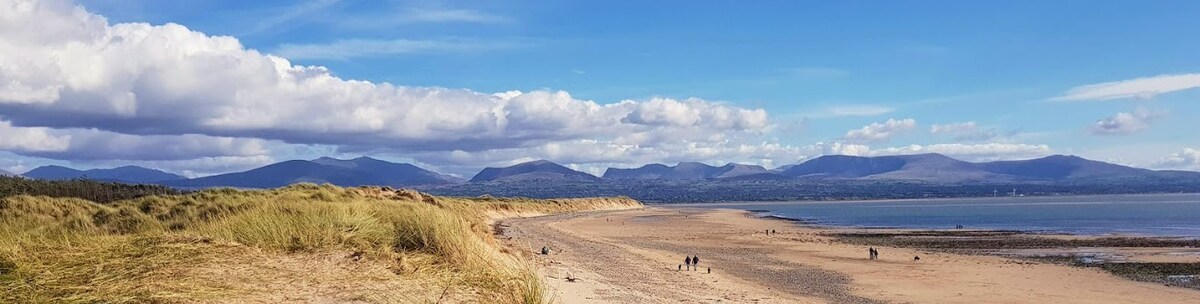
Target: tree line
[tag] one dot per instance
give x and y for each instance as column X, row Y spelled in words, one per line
column 96, row 191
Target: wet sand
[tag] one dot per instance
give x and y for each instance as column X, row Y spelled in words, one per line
column 632, row 257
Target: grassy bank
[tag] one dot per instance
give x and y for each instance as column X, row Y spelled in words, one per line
column 300, row 243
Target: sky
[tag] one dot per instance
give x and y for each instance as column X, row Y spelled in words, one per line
column 206, row 87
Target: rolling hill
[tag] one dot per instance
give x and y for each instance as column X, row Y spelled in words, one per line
column 128, row 174
column 355, row 172
column 541, row 170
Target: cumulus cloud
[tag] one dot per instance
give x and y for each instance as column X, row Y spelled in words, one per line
column 1139, row 88
column 1188, row 159
column 143, row 79
column 36, row 140
column 1125, row 122
column 73, row 86
column 881, row 131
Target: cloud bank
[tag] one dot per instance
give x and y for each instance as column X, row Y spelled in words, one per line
column 75, row 87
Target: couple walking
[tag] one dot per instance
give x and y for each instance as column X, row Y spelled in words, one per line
column 873, row 253
column 693, row 263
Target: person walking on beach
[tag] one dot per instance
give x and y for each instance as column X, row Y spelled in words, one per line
column 688, row 261
column 696, row 263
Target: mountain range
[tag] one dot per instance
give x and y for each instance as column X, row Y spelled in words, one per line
column 354, row 172
column 935, row 168
column 127, row 174
column 685, row 171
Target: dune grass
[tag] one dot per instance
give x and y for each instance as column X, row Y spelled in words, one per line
column 302, row 242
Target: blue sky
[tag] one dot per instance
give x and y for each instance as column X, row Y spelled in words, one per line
column 990, row 74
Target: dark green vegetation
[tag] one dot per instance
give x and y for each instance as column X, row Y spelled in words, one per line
column 995, row 242
column 1173, row 274
column 96, row 191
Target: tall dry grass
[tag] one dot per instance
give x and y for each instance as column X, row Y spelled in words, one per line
column 161, row 248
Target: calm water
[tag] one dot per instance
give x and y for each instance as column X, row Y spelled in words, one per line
column 1155, row 215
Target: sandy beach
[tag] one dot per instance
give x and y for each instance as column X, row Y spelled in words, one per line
column 633, row 257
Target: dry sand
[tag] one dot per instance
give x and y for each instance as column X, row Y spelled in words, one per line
column 631, row 257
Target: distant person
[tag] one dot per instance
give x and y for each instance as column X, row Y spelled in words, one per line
column 871, row 253
column 688, row 261
column 696, row 262
column 709, row 269
column 772, row 231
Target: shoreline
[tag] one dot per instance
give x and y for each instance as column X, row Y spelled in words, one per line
column 915, row 199
column 778, row 210
column 639, row 250
column 817, row 225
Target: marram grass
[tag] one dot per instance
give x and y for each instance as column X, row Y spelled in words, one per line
column 299, row 243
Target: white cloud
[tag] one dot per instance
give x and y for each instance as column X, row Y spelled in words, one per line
column 1188, row 159
column 166, row 88
column 881, row 131
column 964, row 131
column 971, row 152
column 1139, row 88
column 354, row 48
column 91, row 144
column 1125, row 122
column 954, row 128
column 31, row 139
column 853, row 110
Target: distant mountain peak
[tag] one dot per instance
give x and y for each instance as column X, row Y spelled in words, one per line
column 533, row 170
column 685, row 171
column 129, row 174
column 360, row 171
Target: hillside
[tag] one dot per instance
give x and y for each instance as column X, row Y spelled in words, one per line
column 129, row 174
column 302, row 243
column 363, row 171
column 541, row 170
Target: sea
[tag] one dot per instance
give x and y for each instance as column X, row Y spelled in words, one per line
column 1166, row 215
